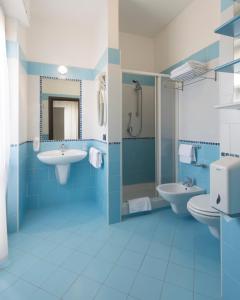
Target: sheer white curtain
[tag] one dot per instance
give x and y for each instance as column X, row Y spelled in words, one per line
column 4, row 138
column 71, row 120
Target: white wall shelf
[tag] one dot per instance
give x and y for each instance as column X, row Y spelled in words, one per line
column 233, row 105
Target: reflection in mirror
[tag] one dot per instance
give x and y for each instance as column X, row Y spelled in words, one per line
column 60, row 109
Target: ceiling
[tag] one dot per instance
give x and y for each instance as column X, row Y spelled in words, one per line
column 143, row 17
column 148, row 17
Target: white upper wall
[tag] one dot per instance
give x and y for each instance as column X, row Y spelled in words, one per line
column 137, row 52
column 17, row 9
column 51, row 41
column 189, row 32
column 74, row 33
column 113, row 23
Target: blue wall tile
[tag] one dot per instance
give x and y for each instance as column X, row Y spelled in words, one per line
column 226, row 4
column 12, row 191
column 110, row 56
column 23, row 157
column 42, row 69
column 231, row 288
column 205, row 155
column 204, row 55
column 143, row 79
column 138, row 160
column 114, row 184
column 84, row 184
column 114, row 56
column 12, row 49
column 230, row 258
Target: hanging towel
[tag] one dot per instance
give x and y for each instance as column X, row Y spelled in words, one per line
column 139, row 205
column 187, row 153
column 95, row 157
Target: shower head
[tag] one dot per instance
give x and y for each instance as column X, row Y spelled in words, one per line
column 138, row 85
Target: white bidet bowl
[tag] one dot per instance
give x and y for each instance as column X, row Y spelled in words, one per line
column 178, row 195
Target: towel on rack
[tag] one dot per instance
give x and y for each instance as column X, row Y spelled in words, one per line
column 95, row 157
column 139, row 205
column 189, row 70
column 187, row 153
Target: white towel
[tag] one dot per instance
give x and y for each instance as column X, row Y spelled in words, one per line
column 95, row 158
column 187, row 153
column 189, row 69
column 139, row 205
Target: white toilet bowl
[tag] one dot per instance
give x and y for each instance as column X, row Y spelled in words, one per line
column 200, row 208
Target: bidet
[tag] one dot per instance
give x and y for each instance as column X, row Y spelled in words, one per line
column 178, row 195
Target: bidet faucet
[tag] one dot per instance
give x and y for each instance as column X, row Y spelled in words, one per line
column 62, row 148
column 189, row 182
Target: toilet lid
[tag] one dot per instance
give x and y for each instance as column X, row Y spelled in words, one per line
column 201, row 204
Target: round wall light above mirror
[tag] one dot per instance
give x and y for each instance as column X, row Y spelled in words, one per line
column 62, row 70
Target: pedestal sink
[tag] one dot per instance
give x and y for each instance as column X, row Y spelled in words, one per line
column 62, row 161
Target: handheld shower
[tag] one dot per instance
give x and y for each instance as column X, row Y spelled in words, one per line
column 139, row 104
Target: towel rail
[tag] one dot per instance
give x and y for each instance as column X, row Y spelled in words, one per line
column 204, row 166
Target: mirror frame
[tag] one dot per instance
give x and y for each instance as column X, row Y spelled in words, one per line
column 42, row 139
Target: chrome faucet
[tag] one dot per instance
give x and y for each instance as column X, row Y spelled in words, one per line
column 62, row 148
column 189, row 182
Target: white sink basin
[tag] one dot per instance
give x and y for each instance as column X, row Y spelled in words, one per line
column 62, row 160
column 57, row 157
column 178, row 195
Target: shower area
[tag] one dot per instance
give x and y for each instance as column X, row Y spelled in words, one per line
column 149, row 136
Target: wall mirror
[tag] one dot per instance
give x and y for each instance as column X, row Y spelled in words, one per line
column 60, row 111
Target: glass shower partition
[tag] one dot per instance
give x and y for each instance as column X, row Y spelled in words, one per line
column 167, row 117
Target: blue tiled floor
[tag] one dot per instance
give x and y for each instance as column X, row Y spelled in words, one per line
column 68, row 252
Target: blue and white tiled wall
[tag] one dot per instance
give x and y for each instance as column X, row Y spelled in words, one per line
column 206, row 153
column 230, row 258
column 84, row 184
column 138, row 154
column 114, row 183
column 230, row 227
column 12, row 192
column 23, row 179
column 33, row 185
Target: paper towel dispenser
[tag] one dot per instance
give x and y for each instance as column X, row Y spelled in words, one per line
column 225, row 185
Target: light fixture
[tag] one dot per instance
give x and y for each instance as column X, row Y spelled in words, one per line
column 62, row 70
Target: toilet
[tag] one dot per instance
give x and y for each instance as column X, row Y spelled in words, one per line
column 200, row 208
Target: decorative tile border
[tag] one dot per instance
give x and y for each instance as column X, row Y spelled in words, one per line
column 143, row 79
column 41, row 113
column 224, row 154
column 199, row 142
column 57, row 141
column 45, row 96
column 140, row 138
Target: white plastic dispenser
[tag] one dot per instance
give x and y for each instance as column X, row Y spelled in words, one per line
column 225, row 185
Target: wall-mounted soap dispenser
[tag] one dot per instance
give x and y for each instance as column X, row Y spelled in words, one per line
column 225, row 185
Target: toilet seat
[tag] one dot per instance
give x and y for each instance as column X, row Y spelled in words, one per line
column 201, row 205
